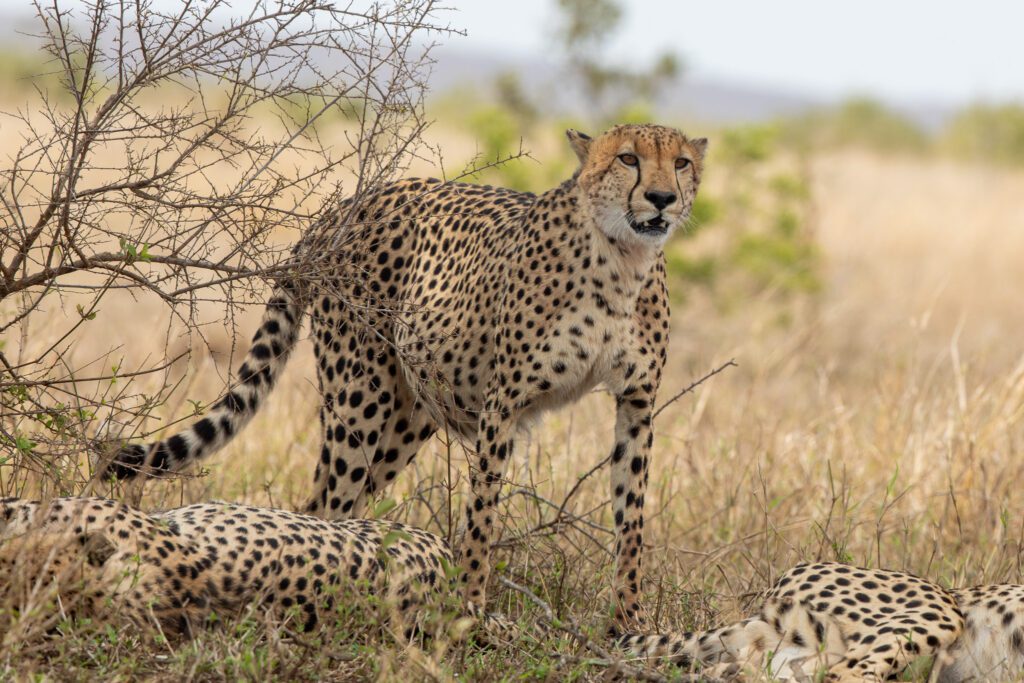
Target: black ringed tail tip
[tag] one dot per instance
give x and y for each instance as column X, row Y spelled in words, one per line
column 127, row 463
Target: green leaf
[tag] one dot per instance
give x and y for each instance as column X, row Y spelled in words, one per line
column 394, row 536
column 919, row 669
column 129, row 249
column 451, row 570
column 91, row 315
column 24, row 444
column 384, row 507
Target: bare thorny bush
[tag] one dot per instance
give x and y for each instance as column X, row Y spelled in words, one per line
column 187, row 210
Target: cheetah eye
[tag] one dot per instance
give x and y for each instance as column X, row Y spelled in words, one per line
column 629, row 159
column 681, row 163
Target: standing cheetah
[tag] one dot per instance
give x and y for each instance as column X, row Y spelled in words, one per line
column 858, row 624
column 477, row 308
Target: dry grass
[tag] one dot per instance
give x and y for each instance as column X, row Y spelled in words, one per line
column 880, row 425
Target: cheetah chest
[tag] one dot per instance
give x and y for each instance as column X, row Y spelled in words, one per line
column 583, row 352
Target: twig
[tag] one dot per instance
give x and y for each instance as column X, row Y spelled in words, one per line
column 729, row 364
column 561, row 516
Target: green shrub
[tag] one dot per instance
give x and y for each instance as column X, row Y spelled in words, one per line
column 859, row 122
column 988, row 133
column 502, row 155
column 500, row 137
column 762, row 215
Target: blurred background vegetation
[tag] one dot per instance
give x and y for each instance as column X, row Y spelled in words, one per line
column 753, row 227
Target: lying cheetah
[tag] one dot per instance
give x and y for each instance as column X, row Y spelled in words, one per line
column 477, row 308
column 180, row 566
column 858, row 624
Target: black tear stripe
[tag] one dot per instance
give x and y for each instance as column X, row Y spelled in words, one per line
column 629, row 198
column 679, row 188
column 682, row 197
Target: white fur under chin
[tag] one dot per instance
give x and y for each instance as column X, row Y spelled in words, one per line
column 614, row 223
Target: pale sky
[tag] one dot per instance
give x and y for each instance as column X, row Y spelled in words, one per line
column 939, row 51
column 905, row 51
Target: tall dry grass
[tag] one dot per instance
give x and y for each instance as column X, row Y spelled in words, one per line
column 881, row 426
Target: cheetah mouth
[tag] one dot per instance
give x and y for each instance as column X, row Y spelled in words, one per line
column 656, row 226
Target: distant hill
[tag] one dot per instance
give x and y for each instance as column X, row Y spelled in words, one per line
column 693, row 97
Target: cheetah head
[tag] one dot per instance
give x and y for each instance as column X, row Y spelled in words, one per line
column 638, row 182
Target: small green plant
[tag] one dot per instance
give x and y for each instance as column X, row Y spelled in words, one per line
column 919, row 669
column 383, row 507
column 500, row 137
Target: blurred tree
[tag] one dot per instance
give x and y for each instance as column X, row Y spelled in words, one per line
column 511, row 97
column 988, row 133
column 584, row 29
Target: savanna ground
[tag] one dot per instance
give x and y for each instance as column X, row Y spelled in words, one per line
column 875, row 421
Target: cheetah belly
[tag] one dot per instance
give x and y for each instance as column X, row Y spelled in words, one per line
column 582, row 357
column 450, row 367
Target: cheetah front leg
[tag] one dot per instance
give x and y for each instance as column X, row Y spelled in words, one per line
column 635, row 385
column 629, row 461
column 493, row 449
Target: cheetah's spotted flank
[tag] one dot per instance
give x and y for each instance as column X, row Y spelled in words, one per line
column 858, row 624
column 181, row 565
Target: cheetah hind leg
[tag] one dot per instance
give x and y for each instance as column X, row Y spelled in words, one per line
column 358, row 404
column 411, row 425
column 367, row 440
column 886, row 656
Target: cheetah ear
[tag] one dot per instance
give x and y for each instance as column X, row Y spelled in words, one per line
column 580, row 143
column 700, row 145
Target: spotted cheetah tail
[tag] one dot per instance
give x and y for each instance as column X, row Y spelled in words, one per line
column 680, row 649
column 688, row 650
column 271, row 346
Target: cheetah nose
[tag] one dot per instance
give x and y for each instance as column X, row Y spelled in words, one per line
column 659, row 199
